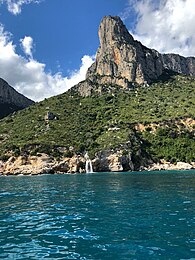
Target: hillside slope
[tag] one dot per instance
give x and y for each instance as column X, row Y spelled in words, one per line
column 109, row 121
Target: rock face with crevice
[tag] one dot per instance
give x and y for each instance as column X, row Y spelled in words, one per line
column 121, row 60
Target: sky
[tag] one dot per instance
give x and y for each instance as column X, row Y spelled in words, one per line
column 46, row 46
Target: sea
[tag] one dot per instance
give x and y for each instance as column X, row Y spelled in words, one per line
column 126, row 215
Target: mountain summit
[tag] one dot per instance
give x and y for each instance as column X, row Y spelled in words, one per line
column 122, row 60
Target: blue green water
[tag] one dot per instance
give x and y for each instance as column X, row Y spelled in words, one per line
column 98, row 216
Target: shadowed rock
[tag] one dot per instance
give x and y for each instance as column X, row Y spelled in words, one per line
column 11, row 100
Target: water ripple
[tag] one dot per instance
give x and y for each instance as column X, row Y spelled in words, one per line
column 99, row 216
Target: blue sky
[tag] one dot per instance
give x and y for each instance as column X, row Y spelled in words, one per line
column 63, row 31
column 46, row 46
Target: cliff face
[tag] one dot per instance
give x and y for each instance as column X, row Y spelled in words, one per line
column 11, row 100
column 121, row 60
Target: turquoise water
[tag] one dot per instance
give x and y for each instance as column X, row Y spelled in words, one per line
column 98, row 216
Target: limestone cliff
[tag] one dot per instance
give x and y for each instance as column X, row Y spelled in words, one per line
column 122, row 60
column 11, row 100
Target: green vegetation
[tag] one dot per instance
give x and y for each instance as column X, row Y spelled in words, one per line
column 107, row 121
column 170, row 144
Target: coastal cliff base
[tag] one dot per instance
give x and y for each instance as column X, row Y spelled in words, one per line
column 107, row 162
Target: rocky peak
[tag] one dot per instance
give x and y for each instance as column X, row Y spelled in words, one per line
column 11, row 100
column 122, row 60
column 112, row 30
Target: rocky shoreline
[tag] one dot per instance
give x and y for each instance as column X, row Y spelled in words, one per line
column 116, row 162
column 167, row 166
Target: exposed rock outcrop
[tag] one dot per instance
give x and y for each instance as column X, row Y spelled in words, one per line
column 105, row 161
column 11, row 100
column 163, row 165
column 121, row 60
column 50, row 116
column 43, row 163
column 28, row 165
column 112, row 161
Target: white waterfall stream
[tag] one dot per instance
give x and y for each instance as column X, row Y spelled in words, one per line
column 88, row 164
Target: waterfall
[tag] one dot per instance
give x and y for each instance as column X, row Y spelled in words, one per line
column 88, row 164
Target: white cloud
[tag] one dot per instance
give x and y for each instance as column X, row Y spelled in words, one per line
column 166, row 25
column 28, row 76
column 27, row 45
column 15, row 6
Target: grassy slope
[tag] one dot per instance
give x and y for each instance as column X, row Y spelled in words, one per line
column 90, row 123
